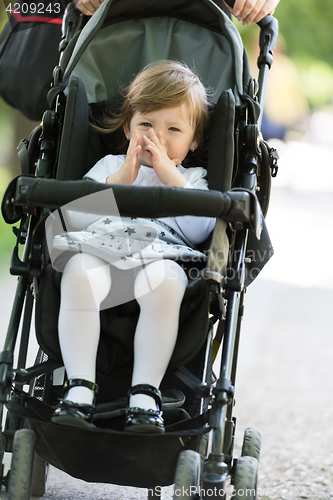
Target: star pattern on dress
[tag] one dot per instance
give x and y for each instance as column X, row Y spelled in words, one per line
column 129, row 250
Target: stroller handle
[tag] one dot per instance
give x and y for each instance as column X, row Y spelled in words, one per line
column 31, row 192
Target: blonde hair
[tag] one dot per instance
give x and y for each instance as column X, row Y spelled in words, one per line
column 163, row 84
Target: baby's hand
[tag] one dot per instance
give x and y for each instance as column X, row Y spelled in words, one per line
column 129, row 170
column 164, row 166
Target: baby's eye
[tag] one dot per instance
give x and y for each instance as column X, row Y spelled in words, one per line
column 146, row 124
column 174, row 129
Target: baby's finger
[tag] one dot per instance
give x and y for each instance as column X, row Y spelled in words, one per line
column 150, row 146
column 148, row 141
column 133, row 151
column 160, row 138
column 133, row 141
column 153, row 137
column 135, row 136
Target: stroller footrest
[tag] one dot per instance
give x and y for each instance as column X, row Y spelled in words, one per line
column 24, row 376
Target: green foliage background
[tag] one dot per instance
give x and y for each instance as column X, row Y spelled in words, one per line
column 306, row 28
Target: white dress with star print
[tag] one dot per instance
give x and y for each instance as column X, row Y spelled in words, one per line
column 130, row 242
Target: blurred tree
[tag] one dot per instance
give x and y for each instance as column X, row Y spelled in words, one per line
column 306, row 26
column 14, row 126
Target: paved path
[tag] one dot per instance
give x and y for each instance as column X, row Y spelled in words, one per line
column 284, row 381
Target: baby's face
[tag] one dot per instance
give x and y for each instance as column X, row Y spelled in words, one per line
column 175, row 127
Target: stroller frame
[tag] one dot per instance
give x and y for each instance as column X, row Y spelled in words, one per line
column 236, row 207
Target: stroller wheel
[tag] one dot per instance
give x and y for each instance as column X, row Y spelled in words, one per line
column 39, row 476
column 251, row 443
column 187, row 477
column 19, row 483
column 245, row 479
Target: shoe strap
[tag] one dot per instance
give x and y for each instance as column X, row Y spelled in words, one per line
column 80, row 382
column 148, row 390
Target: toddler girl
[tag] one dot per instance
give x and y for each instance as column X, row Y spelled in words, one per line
column 164, row 116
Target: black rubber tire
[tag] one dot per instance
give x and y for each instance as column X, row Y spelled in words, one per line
column 251, row 443
column 39, row 477
column 245, row 479
column 187, row 477
column 19, row 484
column 13, row 423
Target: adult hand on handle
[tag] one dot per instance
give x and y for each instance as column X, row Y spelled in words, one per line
column 251, row 11
column 88, row 7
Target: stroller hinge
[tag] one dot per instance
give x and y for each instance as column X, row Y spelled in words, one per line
column 35, row 263
column 23, row 376
column 47, row 142
column 215, row 470
column 274, row 156
column 224, row 391
column 17, row 267
column 252, row 157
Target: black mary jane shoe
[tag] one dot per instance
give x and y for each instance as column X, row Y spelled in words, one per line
column 75, row 414
column 141, row 421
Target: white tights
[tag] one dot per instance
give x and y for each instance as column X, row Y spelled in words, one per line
column 159, row 289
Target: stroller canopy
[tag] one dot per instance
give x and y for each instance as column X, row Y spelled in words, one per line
column 124, row 36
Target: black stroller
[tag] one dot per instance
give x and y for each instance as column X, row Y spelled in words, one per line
column 196, row 451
